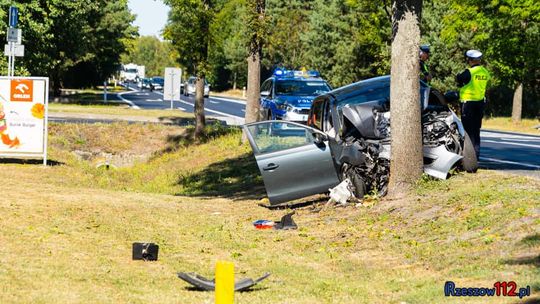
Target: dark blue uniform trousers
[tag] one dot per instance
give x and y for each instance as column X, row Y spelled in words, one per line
column 472, row 113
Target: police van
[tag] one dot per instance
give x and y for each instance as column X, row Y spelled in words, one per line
column 288, row 95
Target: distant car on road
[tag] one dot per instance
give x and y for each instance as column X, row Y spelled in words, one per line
column 189, row 87
column 144, row 84
column 288, row 95
column 157, row 83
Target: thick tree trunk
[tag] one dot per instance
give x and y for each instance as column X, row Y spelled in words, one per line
column 253, row 88
column 200, row 120
column 399, row 7
column 517, row 103
column 406, row 164
column 254, row 65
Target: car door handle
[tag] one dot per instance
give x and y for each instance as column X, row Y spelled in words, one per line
column 270, row 167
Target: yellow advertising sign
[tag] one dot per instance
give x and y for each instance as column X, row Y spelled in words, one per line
column 23, row 116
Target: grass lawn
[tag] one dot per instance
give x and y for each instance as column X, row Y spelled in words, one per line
column 115, row 109
column 67, row 229
column 506, row 124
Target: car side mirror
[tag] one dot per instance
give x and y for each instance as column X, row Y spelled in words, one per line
column 265, row 93
column 319, row 138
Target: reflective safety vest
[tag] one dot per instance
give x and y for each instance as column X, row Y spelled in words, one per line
column 475, row 90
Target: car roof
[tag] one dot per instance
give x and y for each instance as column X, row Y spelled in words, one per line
column 355, row 88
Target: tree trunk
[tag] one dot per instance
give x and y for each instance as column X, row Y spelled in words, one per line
column 254, row 64
column 234, row 82
column 517, row 104
column 200, row 120
column 253, row 88
column 406, row 164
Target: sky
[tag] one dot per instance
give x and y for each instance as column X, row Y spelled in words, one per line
column 151, row 16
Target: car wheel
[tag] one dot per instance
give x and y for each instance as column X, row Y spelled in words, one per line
column 358, row 184
column 469, row 162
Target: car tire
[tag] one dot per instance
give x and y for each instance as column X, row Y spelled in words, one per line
column 358, row 183
column 469, row 162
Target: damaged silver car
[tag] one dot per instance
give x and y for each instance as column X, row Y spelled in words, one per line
column 348, row 137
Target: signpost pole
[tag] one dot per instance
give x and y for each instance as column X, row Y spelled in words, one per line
column 172, row 90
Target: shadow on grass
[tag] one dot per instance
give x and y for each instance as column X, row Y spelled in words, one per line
column 187, row 138
column 186, row 121
column 18, row 161
column 236, row 178
column 89, row 99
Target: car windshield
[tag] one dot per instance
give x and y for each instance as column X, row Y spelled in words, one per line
column 301, row 87
column 378, row 91
column 158, row 80
column 131, row 71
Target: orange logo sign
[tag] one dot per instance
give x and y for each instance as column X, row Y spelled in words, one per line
column 22, row 90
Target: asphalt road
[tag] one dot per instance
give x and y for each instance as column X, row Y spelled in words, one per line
column 228, row 109
column 516, row 153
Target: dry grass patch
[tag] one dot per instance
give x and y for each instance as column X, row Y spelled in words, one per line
column 506, row 124
column 68, row 231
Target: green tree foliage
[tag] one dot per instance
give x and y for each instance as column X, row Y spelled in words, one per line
column 347, row 40
column 507, row 31
column 154, row 54
column 76, row 42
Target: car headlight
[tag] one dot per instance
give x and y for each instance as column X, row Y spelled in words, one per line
column 284, row 107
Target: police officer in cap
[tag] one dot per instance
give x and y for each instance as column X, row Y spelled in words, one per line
column 425, row 74
column 472, row 94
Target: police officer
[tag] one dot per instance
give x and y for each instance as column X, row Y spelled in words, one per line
column 425, row 74
column 472, row 94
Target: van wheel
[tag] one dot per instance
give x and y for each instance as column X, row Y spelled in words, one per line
column 469, row 162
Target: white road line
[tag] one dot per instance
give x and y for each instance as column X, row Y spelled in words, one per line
column 134, row 106
column 181, row 109
column 511, row 143
column 215, row 112
column 229, row 100
column 509, row 162
column 154, row 100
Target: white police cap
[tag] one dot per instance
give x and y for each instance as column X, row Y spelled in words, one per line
column 473, row 54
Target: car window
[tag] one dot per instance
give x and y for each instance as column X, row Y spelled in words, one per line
column 317, row 110
column 278, row 136
column 266, row 85
column 301, row 87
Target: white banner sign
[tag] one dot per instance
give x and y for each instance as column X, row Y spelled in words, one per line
column 23, row 116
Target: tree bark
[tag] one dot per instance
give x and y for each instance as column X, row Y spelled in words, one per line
column 406, row 164
column 517, row 104
column 253, row 88
column 254, row 65
column 200, row 120
column 399, row 7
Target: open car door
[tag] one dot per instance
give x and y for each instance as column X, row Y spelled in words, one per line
column 294, row 159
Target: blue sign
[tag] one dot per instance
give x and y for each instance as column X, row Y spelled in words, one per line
column 13, row 16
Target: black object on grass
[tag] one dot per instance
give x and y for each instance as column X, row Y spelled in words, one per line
column 202, row 283
column 145, row 251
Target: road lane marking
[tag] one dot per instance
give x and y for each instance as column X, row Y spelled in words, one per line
column 229, row 100
column 131, row 104
column 215, row 112
column 181, row 109
column 154, row 100
column 511, row 143
column 509, row 162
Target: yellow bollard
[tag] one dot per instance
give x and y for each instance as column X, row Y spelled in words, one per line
column 224, row 282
